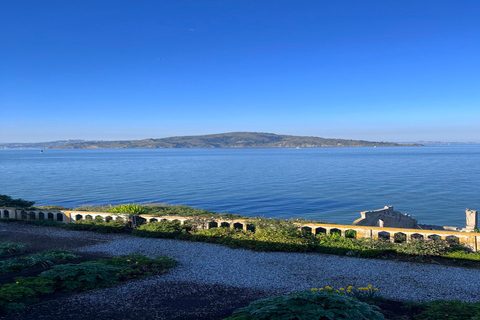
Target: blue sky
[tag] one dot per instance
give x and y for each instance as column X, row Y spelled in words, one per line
column 123, row 69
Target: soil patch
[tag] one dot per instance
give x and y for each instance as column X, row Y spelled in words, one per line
column 172, row 301
column 41, row 242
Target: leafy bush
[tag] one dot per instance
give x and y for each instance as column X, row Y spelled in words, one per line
column 475, row 256
column 308, row 305
column 7, row 201
column 261, row 240
column 219, row 233
column 454, row 309
column 44, row 223
column 160, row 229
column 8, row 247
column 138, row 266
column 100, row 226
column 15, row 296
column 286, row 227
column 128, row 208
column 11, row 292
column 44, row 259
column 425, row 247
column 281, row 240
column 83, row 276
column 37, row 284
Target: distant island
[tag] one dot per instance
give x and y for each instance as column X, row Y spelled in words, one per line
column 220, row 140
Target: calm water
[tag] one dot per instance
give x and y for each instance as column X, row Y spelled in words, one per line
column 433, row 184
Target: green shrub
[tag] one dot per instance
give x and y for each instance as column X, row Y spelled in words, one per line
column 13, row 297
column 308, row 305
column 285, row 227
column 44, row 259
column 424, row 247
column 7, row 201
column 16, row 296
column 369, row 253
column 261, row 240
column 11, row 292
column 83, row 276
column 475, row 256
column 80, row 225
column 281, row 240
column 138, row 266
column 45, row 223
column 454, row 309
column 219, row 232
column 160, row 229
column 37, row 284
column 99, row 226
column 8, row 247
column 134, row 209
column 13, row 307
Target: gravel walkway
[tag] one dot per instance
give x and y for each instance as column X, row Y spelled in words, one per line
column 283, row 273
column 246, row 276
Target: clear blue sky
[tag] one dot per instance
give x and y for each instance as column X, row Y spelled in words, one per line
column 131, row 69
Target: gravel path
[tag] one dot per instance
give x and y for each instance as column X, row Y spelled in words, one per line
column 245, row 276
column 283, row 273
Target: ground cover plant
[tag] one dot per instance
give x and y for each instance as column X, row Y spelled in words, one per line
column 162, row 229
column 83, row 276
column 99, row 225
column 308, row 305
column 452, row 310
column 15, row 296
column 8, row 247
column 45, row 259
column 79, row 277
column 137, row 266
column 352, row 303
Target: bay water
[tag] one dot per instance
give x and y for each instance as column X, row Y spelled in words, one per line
column 434, row 184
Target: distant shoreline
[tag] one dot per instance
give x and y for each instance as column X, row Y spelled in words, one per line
column 233, row 140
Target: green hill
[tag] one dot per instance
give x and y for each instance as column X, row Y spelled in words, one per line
column 224, row 140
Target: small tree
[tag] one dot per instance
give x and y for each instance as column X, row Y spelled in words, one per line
column 133, row 210
column 7, row 201
column 128, row 208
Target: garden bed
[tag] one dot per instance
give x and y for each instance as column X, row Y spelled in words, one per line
column 173, row 300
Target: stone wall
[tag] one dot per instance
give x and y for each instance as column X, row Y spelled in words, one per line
column 386, row 217
column 470, row 239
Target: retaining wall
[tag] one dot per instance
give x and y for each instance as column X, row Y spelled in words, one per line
column 471, row 239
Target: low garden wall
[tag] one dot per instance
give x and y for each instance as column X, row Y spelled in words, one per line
column 471, row 239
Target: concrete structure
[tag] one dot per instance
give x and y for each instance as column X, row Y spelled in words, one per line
column 386, row 217
column 472, row 219
column 470, row 239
